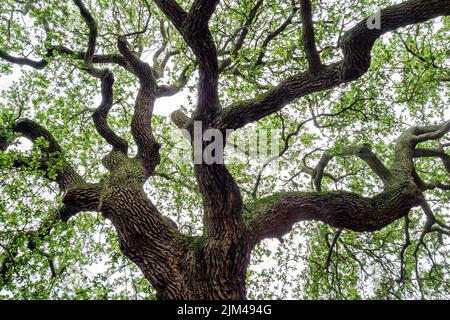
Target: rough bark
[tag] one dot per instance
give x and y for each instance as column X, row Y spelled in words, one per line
column 356, row 45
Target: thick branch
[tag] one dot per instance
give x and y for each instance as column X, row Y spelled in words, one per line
column 338, row 209
column 432, row 133
column 96, row 59
column 199, row 38
column 309, row 41
column 101, row 113
column 173, row 11
column 405, row 149
column 93, row 32
column 274, row 216
column 39, row 65
column 426, row 153
column 80, row 197
column 141, row 127
column 107, row 81
column 32, row 131
column 222, row 201
column 356, row 45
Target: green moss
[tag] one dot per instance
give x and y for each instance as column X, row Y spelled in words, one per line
column 194, row 243
column 253, row 209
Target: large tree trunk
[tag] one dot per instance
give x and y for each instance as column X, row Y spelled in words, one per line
column 177, row 266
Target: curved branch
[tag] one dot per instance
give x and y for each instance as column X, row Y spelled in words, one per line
column 338, row 209
column 141, row 127
column 275, row 215
column 77, row 195
column 39, row 65
column 167, row 91
column 96, row 59
column 363, row 152
column 356, row 45
column 252, row 15
column 101, row 113
column 79, row 198
column 309, row 42
column 427, row 153
column 432, row 132
column 93, row 32
column 107, row 81
column 273, row 35
column 193, row 26
column 29, row 129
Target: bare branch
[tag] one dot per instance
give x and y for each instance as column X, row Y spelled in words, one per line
column 309, row 41
column 364, row 152
column 193, row 26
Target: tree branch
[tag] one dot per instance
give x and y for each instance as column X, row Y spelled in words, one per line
column 338, row 209
column 426, row 153
column 39, row 65
column 32, row 131
column 275, row 215
column 242, row 36
column 193, row 26
column 166, row 91
column 363, row 152
column 80, row 196
column 107, row 81
column 432, row 132
column 141, row 127
column 101, row 113
column 356, row 45
column 309, row 42
column 173, row 11
column 93, row 32
column 273, row 35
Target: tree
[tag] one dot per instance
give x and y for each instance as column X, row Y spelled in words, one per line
column 379, row 101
